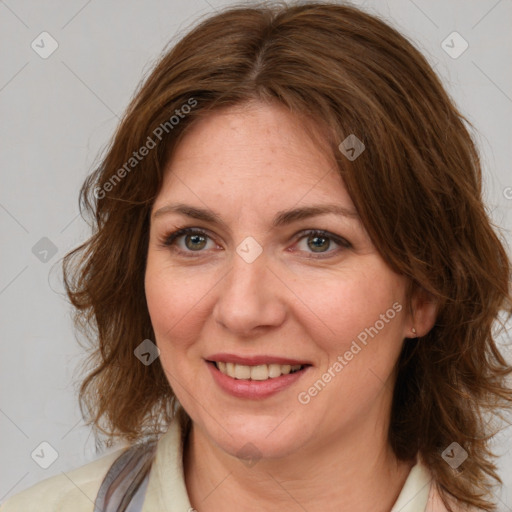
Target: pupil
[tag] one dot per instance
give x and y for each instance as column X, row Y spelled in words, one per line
column 319, row 243
column 197, row 242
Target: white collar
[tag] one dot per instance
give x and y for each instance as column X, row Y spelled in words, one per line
column 167, row 490
column 414, row 494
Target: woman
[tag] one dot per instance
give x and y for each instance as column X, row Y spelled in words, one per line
column 292, row 278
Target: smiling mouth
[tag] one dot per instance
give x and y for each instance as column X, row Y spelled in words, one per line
column 257, row 372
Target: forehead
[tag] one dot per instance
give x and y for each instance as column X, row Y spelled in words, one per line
column 254, row 150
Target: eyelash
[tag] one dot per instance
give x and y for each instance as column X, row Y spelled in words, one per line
column 169, row 240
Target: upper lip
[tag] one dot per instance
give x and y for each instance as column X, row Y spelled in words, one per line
column 254, row 360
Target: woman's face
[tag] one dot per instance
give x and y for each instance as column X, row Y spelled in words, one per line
column 251, row 292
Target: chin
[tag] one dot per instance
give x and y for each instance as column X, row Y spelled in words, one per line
column 253, row 437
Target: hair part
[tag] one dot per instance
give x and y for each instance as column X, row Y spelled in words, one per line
column 416, row 187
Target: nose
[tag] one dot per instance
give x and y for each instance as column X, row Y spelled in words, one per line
column 250, row 298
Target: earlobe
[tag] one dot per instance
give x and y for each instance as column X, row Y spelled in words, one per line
column 423, row 314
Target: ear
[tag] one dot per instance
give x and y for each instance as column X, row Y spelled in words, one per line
column 422, row 315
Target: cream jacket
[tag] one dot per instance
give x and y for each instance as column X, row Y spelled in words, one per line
column 75, row 491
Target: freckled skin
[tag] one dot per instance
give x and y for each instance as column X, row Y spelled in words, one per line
column 247, row 165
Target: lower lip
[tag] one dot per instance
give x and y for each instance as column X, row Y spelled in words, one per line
column 254, row 389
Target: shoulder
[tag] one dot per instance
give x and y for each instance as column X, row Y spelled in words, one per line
column 72, row 490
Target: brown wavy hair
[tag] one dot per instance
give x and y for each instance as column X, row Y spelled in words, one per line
column 417, row 188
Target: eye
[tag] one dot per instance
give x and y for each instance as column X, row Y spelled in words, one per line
column 187, row 240
column 319, row 241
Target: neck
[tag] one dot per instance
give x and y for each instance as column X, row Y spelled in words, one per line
column 355, row 473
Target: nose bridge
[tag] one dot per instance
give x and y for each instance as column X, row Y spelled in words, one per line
column 249, row 296
column 245, row 281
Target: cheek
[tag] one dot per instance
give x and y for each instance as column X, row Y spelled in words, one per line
column 165, row 297
column 175, row 303
column 168, row 309
column 365, row 317
column 346, row 306
column 161, row 301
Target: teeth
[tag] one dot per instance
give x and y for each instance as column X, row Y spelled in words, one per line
column 242, row 372
column 274, row 370
column 258, row 372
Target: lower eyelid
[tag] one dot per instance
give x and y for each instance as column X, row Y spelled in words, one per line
column 330, row 249
column 182, row 237
column 171, row 240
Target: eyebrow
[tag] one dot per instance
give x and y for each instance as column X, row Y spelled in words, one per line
column 282, row 218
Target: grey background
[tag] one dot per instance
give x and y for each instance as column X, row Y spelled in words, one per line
column 58, row 113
